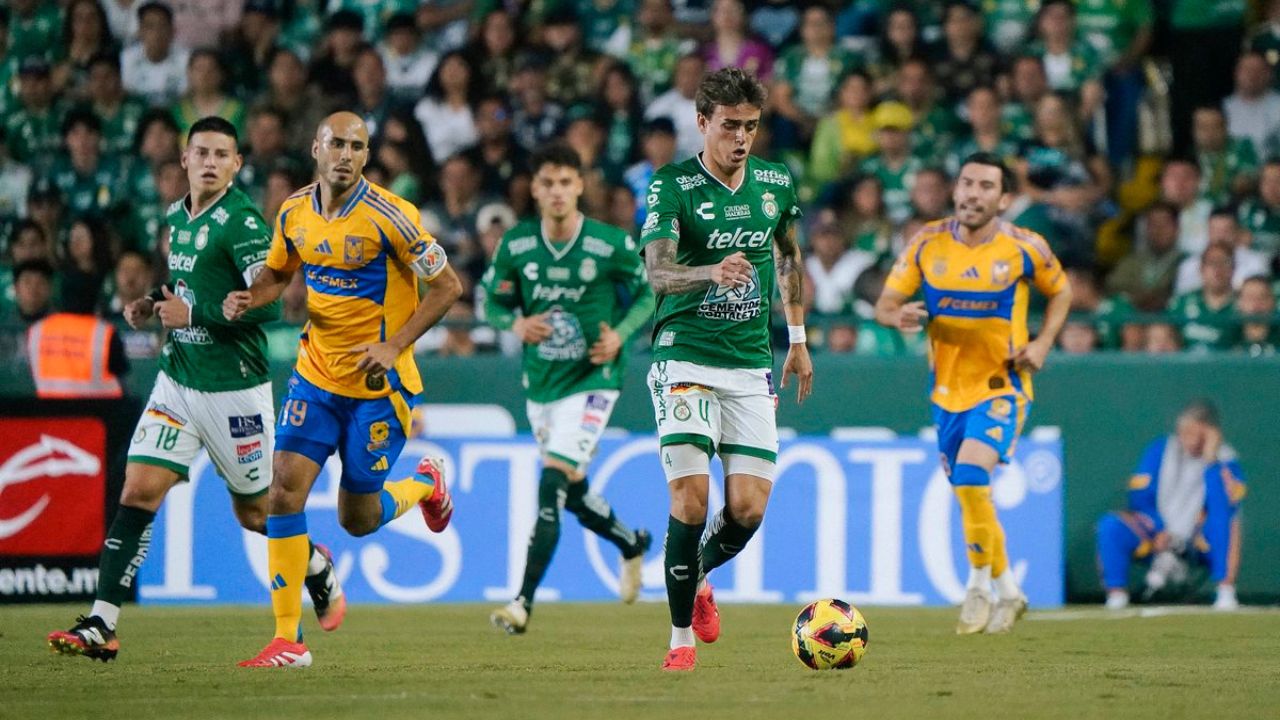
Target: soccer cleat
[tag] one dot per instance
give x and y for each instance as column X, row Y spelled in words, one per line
column 326, row 593
column 1226, row 598
column 975, row 613
column 706, row 616
column 630, row 578
column 1117, row 599
column 512, row 618
column 280, row 653
column 1006, row 613
column 437, row 509
column 89, row 637
column 680, row 659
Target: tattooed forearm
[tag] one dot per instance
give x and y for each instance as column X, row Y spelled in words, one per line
column 667, row 277
column 790, row 268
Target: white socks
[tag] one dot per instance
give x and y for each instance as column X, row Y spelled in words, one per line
column 1007, row 586
column 681, row 637
column 980, row 578
column 109, row 613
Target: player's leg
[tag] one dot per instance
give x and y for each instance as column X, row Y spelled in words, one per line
column 123, row 551
column 1219, row 540
column 1119, row 542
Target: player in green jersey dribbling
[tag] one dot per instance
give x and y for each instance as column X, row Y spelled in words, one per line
column 213, row 390
column 721, row 226
column 564, row 274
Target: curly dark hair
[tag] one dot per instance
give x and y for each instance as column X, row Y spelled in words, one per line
column 729, row 86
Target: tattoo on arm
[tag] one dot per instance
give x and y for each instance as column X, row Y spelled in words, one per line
column 666, row 276
column 790, row 267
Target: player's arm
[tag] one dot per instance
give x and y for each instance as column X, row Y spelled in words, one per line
column 660, row 236
column 1052, row 281
column 268, row 285
column 628, row 272
column 1143, row 489
column 789, row 266
column 892, row 307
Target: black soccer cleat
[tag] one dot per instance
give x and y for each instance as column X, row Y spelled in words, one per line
column 89, row 637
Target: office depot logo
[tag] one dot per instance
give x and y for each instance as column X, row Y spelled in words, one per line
column 52, row 486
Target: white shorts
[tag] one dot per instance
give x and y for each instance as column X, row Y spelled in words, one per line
column 569, row 429
column 236, row 428
column 731, row 411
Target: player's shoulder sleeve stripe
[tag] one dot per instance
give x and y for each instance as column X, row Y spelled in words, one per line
column 402, row 222
column 1032, row 239
column 302, row 191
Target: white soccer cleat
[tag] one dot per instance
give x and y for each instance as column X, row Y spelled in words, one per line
column 1117, row 599
column 975, row 613
column 1006, row 613
column 1226, row 600
column 511, row 618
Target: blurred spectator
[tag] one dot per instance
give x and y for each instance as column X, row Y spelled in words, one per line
column 606, row 25
column 493, row 52
column 1161, row 338
column 1259, row 333
column 33, row 27
column 402, row 177
column 805, row 79
column 1228, row 166
column 455, row 212
column 118, row 112
column 89, row 183
column 573, row 72
column 1145, row 277
column 409, row 62
column 445, row 111
column 986, row 131
column 731, row 46
column 249, row 50
column 863, row 215
column 1062, row 169
column 15, row 183
column 85, row 36
column 282, row 181
column 894, row 164
column 288, row 91
column 87, row 260
column 497, row 154
column 931, row 194
column 27, row 242
column 1121, row 31
column 1029, row 85
column 206, row 95
column 962, row 60
column 934, row 122
column 841, row 337
column 831, row 269
column 535, row 118
column 75, row 354
column 1265, row 38
column 155, row 67
column 618, row 111
column 656, row 48
column 122, row 18
column 1180, row 186
column 46, row 209
column 1253, row 110
column 34, row 128
column 1214, row 33
column 1079, row 337
column 1071, row 64
column 1111, row 317
column 133, row 278
column 677, row 104
column 1208, row 315
column 8, row 66
column 374, row 102
column 584, row 134
column 846, row 135
column 330, row 69
column 1224, row 229
column 282, row 337
column 204, row 23
column 32, row 291
column 1009, row 22
column 1260, row 215
column 623, row 209
column 658, row 146
column 263, row 149
column 899, row 42
column 1182, row 507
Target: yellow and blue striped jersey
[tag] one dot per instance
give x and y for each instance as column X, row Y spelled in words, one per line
column 360, row 285
column 977, row 302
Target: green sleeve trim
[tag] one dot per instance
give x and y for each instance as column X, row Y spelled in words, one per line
column 182, row 470
column 703, row 442
column 731, row 449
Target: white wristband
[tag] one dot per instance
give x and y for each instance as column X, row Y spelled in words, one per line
column 797, row 334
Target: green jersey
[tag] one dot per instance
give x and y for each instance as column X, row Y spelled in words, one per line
column 1009, row 21
column 1264, row 222
column 897, row 183
column 98, row 192
column 1205, row 14
column 1219, row 169
column 1111, row 25
column 217, row 252
column 119, row 126
column 813, row 80
column 719, row 326
column 579, row 284
column 1202, row 327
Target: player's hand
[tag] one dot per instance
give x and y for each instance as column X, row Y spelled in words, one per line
column 236, row 304
column 799, row 363
column 911, row 316
column 172, row 311
column 1031, row 356
column 732, row 271
column 606, row 347
column 532, row 329
column 138, row 311
column 1212, row 444
column 376, row 358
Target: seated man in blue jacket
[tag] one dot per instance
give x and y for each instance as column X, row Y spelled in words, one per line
column 1183, row 502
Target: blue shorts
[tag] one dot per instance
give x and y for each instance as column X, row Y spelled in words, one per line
column 368, row 434
column 996, row 422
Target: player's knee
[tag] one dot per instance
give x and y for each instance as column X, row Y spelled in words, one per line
column 252, row 517
column 142, row 496
column 358, row 525
column 747, row 512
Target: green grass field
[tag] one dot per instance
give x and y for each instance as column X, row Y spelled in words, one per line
column 601, row 661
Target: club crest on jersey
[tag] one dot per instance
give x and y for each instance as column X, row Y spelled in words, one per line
column 202, row 237
column 769, row 206
column 587, row 270
column 379, row 433
column 940, row 266
column 300, row 241
column 353, row 250
column 1000, row 272
column 681, row 411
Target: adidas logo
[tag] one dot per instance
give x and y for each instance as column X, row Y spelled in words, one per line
column 382, row 465
column 970, row 274
column 323, row 247
column 278, row 582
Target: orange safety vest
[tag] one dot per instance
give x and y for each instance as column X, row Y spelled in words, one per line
column 68, row 355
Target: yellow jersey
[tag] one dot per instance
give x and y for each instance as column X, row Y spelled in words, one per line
column 977, row 303
column 361, row 287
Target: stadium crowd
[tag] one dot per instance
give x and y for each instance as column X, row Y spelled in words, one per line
column 1145, row 135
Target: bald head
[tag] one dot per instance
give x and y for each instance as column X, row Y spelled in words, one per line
column 341, row 149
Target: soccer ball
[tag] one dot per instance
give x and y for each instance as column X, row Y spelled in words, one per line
column 829, row 635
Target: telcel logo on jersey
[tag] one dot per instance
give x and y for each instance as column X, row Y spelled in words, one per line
column 738, row 238
column 182, row 261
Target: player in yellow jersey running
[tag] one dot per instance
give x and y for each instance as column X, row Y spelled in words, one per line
column 362, row 251
column 976, row 271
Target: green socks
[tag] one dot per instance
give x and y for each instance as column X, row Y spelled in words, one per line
column 546, row 532
column 125, row 548
column 725, row 539
column 682, row 569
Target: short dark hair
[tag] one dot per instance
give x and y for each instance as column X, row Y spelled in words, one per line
column 558, row 153
column 1225, row 211
column 214, row 124
column 39, row 265
column 155, row 6
column 1008, row 183
column 81, row 117
column 130, row 252
column 729, row 86
column 1163, row 206
column 110, row 59
column 1203, row 410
